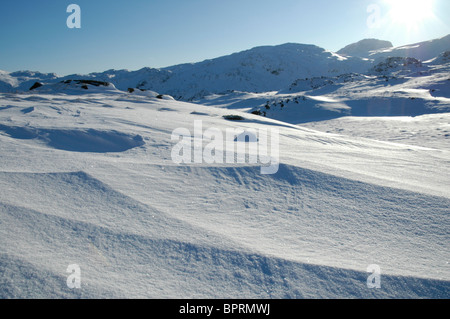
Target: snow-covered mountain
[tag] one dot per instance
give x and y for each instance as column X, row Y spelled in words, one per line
column 261, row 69
column 395, row 86
column 22, row 81
column 257, row 70
column 364, row 47
column 423, row 51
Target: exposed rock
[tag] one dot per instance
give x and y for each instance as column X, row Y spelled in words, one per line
column 36, row 85
column 91, row 82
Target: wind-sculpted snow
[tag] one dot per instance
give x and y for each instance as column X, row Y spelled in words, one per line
column 89, row 140
column 138, row 224
column 128, row 249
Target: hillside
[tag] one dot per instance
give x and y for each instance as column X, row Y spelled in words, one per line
column 423, row 51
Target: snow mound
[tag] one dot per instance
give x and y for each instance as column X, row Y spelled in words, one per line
column 74, row 86
column 89, row 140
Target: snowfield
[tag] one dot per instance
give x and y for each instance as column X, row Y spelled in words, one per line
column 140, row 226
column 88, row 180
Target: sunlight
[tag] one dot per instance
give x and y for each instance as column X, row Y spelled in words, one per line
column 410, row 13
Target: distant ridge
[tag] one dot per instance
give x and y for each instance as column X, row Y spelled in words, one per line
column 260, row 69
column 362, row 48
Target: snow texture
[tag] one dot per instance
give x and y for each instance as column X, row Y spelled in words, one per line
column 87, row 179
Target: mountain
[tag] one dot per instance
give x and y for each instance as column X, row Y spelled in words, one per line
column 261, row 69
column 23, row 80
column 364, row 47
column 423, row 51
column 392, row 86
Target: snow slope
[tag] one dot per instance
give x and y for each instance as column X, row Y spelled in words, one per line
column 429, row 131
column 141, row 226
column 423, row 50
column 364, row 47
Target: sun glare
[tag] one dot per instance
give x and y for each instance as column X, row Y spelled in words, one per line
column 410, row 13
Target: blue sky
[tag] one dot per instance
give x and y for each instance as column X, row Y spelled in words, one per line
column 138, row 33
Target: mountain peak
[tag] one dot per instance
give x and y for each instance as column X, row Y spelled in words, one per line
column 362, row 48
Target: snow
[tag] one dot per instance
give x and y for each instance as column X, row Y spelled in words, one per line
column 364, row 47
column 87, row 178
column 423, row 51
column 260, row 69
column 75, row 140
column 427, row 131
column 140, row 226
column 257, row 70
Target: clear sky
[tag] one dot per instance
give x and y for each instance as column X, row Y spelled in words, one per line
column 132, row 34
